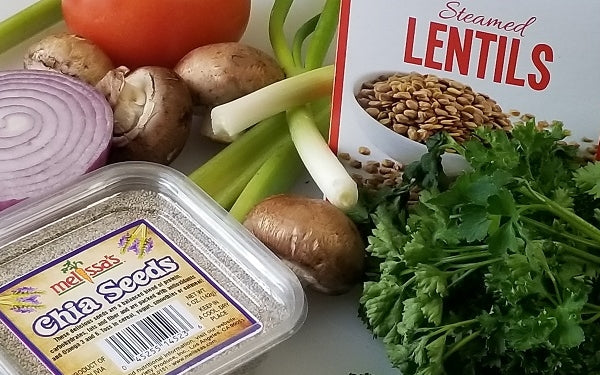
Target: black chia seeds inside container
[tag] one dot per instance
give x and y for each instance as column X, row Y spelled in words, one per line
column 136, row 270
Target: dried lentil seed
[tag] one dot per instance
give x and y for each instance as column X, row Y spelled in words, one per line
column 355, row 164
column 371, row 167
column 373, row 111
column 412, row 134
column 400, row 128
column 364, row 150
column 388, row 163
column 344, row 156
column 412, row 104
column 358, row 178
column 441, row 112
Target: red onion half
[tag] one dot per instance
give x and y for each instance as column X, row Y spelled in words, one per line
column 53, row 129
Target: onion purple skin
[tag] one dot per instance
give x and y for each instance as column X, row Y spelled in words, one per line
column 62, row 131
column 100, row 162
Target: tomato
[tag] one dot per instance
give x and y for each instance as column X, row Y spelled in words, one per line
column 155, row 32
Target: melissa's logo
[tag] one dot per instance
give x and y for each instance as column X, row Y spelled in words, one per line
column 77, row 275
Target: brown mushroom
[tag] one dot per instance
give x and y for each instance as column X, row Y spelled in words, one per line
column 221, row 72
column 313, row 237
column 152, row 111
column 71, row 55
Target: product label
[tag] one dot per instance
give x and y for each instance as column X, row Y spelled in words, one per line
column 128, row 303
column 525, row 56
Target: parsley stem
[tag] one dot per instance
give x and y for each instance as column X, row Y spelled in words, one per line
column 461, row 257
column 570, row 217
column 593, row 307
column 449, row 327
column 461, row 277
column 579, row 253
column 408, row 282
column 454, row 348
column 566, row 235
column 464, row 249
column 475, row 265
column 591, row 320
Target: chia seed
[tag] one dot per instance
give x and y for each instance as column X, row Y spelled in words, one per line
column 204, row 236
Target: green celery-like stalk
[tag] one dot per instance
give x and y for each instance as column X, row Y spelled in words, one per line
column 231, row 192
column 283, row 54
column 222, row 175
column 276, row 175
column 28, row 22
column 279, row 173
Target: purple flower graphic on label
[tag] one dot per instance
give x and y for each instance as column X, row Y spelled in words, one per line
column 25, row 290
column 137, row 242
column 148, row 245
column 23, row 299
column 123, row 240
column 32, row 299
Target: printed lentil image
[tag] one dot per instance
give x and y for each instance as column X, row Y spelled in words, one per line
column 417, row 106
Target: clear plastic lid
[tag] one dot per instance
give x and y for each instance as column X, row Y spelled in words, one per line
column 134, row 270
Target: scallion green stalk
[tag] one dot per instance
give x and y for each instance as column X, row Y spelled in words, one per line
column 276, row 175
column 329, row 174
column 300, row 37
column 325, row 29
column 28, row 22
column 283, row 53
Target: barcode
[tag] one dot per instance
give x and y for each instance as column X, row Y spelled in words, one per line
column 148, row 336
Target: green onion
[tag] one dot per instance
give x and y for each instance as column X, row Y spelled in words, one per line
column 28, row 22
column 323, row 165
column 328, row 173
column 232, row 118
column 264, row 160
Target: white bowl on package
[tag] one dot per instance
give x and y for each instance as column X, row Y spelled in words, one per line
column 397, row 146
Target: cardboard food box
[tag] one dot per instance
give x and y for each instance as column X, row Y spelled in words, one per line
column 453, row 65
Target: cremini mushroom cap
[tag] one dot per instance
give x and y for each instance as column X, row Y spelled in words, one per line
column 315, row 238
column 71, row 55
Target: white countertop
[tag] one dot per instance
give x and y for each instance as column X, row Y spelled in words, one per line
column 333, row 340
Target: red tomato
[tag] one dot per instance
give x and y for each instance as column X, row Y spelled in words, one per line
column 155, row 32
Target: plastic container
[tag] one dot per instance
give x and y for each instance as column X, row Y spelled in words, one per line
column 134, row 270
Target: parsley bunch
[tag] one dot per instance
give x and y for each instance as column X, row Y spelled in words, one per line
column 496, row 271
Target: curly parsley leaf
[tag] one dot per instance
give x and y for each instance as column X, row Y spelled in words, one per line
column 587, row 178
column 495, row 271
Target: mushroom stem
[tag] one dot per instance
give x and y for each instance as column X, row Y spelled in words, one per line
column 129, row 108
column 127, row 97
column 152, row 110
